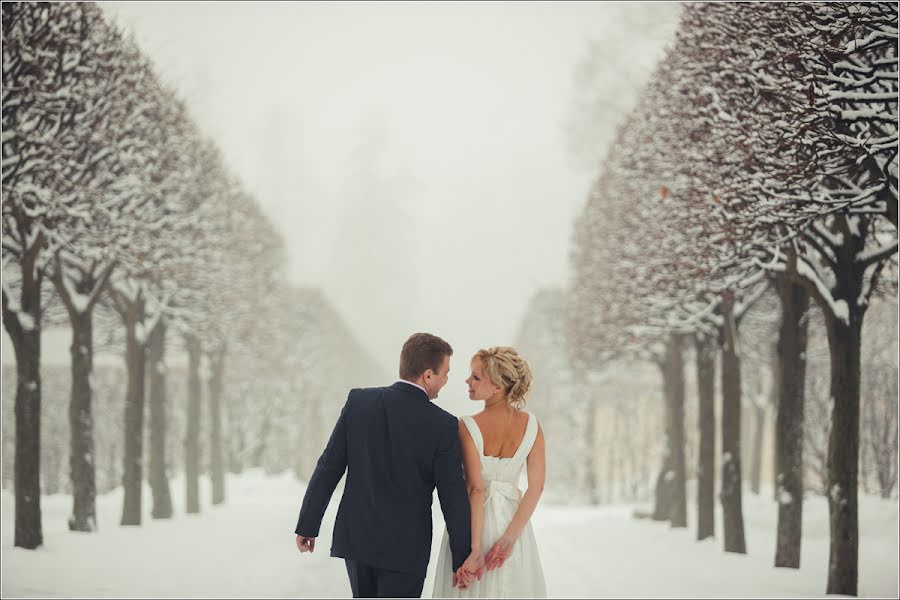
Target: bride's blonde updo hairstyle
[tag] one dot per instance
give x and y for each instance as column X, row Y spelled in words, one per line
column 506, row 369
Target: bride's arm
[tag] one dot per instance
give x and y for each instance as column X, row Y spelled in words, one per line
column 474, row 485
column 537, row 470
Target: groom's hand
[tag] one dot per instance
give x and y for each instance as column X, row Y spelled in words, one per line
column 306, row 544
column 472, row 568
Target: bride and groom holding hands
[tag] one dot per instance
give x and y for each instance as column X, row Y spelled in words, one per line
column 397, row 447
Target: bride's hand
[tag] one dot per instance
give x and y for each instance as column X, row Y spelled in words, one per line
column 499, row 552
column 471, row 569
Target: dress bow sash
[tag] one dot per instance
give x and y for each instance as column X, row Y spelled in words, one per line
column 502, row 488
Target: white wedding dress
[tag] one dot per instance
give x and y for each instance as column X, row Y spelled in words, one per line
column 521, row 575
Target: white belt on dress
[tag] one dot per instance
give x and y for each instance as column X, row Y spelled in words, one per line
column 502, row 488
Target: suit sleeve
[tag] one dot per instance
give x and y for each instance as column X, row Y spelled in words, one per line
column 451, row 487
column 329, row 470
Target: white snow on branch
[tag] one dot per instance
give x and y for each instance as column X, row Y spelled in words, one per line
column 836, row 240
column 25, row 320
column 858, row 43
column 863, row 96
column 838, row 308
column 870, row 253
column 140, row 333
column 79, row 301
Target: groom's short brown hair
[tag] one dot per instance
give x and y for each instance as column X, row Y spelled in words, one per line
column 422, row 351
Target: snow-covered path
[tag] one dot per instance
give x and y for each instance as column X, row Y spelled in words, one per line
column 246, row 549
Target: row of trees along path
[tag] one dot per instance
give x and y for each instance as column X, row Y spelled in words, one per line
column 761, row 159
column 113, row 201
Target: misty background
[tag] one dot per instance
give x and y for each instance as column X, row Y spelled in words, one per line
column 423, row 161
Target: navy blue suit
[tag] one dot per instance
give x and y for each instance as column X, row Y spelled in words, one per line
column 396, row 446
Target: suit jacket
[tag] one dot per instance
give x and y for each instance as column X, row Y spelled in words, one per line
column 396, row 447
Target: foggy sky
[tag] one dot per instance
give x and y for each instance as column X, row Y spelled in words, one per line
column 411, row 154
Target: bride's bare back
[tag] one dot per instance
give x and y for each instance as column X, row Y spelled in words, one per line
column 502, row 431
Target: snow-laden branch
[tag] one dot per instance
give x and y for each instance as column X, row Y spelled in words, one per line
column 873, row 255
column 838, row 307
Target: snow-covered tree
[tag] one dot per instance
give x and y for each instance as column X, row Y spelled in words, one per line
column 813, row 89
column 53, row 57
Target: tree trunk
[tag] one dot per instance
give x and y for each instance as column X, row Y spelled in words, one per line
column 591, row 435
column 732, row 511
column 844, row 321
column 216, row 460
column 81, row 423
column 706, row 457
column 759, row 426
column 664, row 495
column 844, row 340
column 675, row 383
column 159, row 481
column 133, row 462
column 774, row 399
column 82, row 460
column 792, row 339
column 27, row 346
column 192, row 435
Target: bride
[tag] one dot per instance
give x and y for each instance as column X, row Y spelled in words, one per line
column 496, row 444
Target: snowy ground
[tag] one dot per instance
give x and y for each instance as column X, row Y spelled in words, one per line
column 246, row 549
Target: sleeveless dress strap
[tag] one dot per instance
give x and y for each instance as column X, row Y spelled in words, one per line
column 475, row 432
column 531, row 430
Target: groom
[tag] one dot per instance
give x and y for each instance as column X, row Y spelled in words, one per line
column 396, row 447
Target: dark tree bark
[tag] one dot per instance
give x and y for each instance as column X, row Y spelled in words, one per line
column 27, row 347
column 706, row 457
column 674, row 381
column 81, row 423
column 844, row 343
column 792, row 340
column 732, row 510
column 662, row 506
column 132, row 313
column 759, row 426
column 192, row 435
column 777, row 376
column 665, row 488
column 158, row 479
column 843, row 453
column 82, row 461
column 216, row 456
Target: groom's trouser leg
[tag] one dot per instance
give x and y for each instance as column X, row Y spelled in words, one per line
column 371, row 582
column 393, row 584
column 363, row 580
